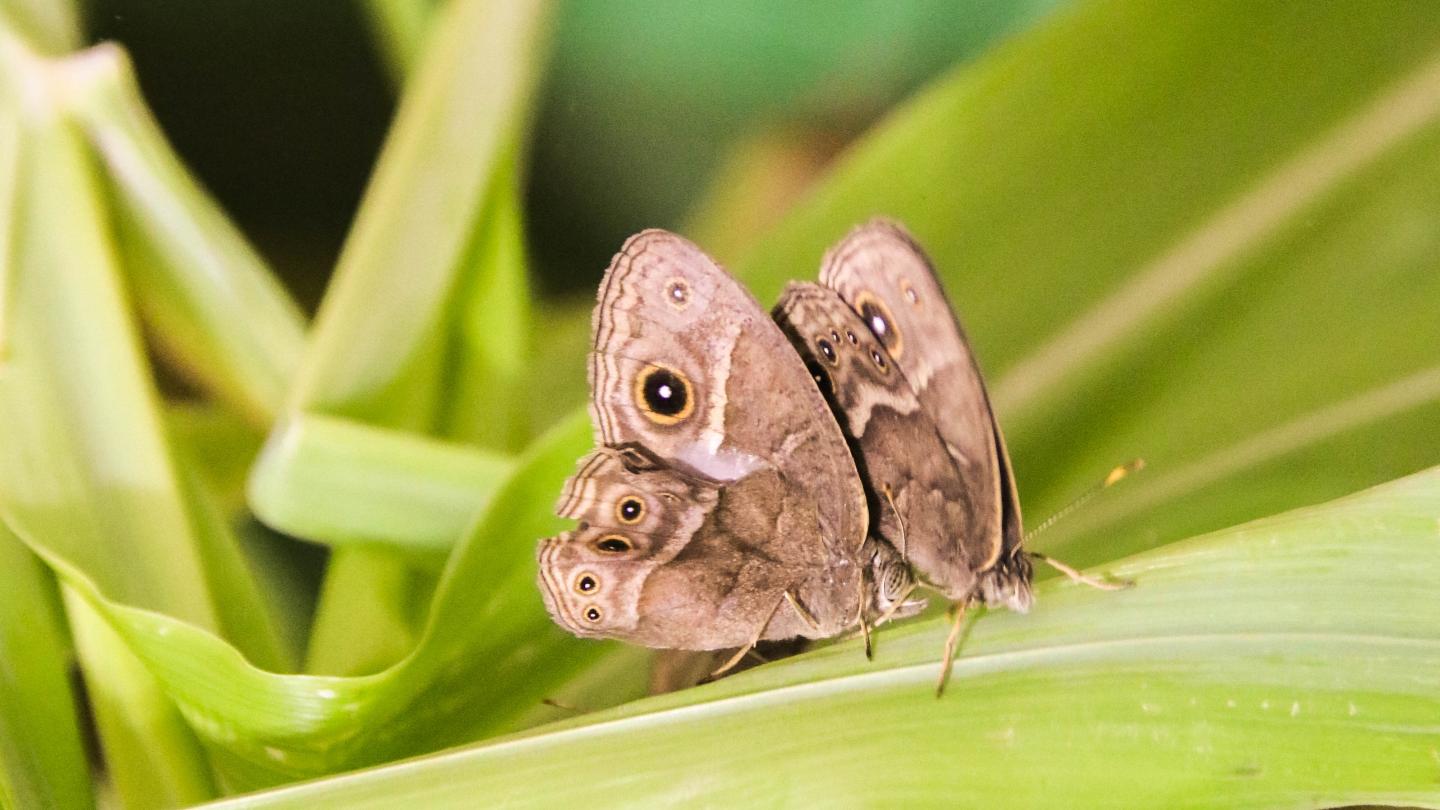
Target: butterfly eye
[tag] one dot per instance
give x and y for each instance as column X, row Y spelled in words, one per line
column 881, row 323
column 586, row 584
column 827, row 350
column 630, row 510
column 663, row 395
column 613, row 544
column 592, row 614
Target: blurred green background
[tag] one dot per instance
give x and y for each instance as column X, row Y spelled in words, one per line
column 1201, row 233
column 641, row 103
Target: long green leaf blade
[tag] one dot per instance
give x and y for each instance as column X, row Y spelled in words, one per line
column 1157, row 222
column 1156, row 696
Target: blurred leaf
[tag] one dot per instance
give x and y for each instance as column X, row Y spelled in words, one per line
column 42, row 763
column 151, row 754
column 645, row 98
column 1195, row 234
column 436, row 241
column 49, row 26
column 472, row 674
column 87, row 463
column 342, row 482
column 399, row 29
column 215, row 307
column 1162, row 695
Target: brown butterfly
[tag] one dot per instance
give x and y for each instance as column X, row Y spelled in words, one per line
column 886, row 348
column 721, row 505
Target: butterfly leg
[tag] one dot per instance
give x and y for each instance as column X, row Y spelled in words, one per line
column 801, row 612
column 958, row 624
column 1079, row 578
column 860, row 617
column 759, row 631
column 900, row 519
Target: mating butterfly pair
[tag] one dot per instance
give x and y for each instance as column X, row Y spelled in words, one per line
column 759, row 479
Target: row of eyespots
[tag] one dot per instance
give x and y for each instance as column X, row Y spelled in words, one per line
column 827, row 350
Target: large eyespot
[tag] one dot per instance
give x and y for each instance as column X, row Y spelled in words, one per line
column 826, row 350
column 663, row 395
column 592, row 614
column 614, row 544
column 882, row 324
column 586, row 584
column 630, row 510
column 677, row 293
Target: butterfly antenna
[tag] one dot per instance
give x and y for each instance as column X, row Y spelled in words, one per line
column 1114, row 477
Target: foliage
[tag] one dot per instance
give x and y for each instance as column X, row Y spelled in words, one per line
column 1199, row 234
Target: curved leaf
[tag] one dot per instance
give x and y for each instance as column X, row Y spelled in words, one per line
column 1211, row 683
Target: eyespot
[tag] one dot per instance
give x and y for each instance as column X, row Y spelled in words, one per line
column 663, row 395
column 851, row 335
column 586, row 584
column 878, row 358
column 592, row 614
column 835, row 336
column 881, row 323
column 827, row 350
column 630, row 510
column 677, row 293
column 614, row 544
column 909, row 291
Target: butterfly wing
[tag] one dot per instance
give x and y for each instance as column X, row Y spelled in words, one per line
column 710, row 423
column 886, row 279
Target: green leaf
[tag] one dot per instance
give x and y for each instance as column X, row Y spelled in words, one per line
column 1173, row 693
column 342, row 482
column 436, row 248
column 49, row 26
column 88, row 465
column 215, row 308
column 470, row 675
column 1193, row 234
column 42, row 763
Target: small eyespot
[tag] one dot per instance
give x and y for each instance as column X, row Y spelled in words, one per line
column 614, row 544
column 586, row 583
column 835, row 336
column 630, row 510
column 663, row 395
column 821, row 378
column 677, row 292
column 854, row 341
column 592, row 614
column 878, row 358
column 827, row 350
column 909, row 291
